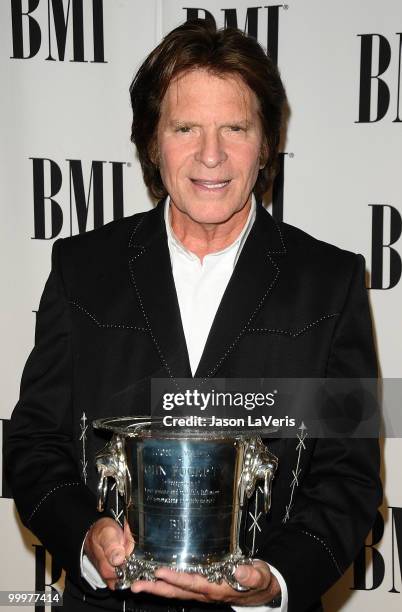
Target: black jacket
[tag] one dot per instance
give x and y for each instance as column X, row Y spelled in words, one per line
column 109, row 321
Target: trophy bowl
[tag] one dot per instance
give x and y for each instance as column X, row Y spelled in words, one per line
column 185, row 493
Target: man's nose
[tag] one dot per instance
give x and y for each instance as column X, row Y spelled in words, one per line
column 211, row 151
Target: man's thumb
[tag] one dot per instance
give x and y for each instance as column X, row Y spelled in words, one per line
column 117, row 557
column 112, row 541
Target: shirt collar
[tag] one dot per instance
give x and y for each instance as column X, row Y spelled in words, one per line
column 237, row 244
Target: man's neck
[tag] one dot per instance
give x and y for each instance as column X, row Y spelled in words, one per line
column 203, row 238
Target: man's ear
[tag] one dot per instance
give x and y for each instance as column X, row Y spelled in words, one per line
column 153, row 152
column 264, row 154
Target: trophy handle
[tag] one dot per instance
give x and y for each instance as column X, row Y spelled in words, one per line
column 102, row 490
column 258, row 464
column 111, row 462
column 268, row 472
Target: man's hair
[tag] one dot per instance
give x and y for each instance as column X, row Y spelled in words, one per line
column 226, row 52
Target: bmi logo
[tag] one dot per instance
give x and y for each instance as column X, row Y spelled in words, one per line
column 380, row 78
column 386, row 263
column 252, row 25
column 86, row 195
column 48, row 573
column 62, row 28
column 371, row 556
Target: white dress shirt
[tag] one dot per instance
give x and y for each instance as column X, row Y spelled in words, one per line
column 199, row 287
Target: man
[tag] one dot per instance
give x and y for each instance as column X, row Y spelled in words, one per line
column 206, row 284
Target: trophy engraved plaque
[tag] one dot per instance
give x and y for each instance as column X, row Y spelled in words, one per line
column 184, row 493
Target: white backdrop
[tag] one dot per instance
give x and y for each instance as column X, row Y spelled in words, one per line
column 65, row 97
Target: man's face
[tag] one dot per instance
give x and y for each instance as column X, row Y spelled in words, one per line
column 210, row 145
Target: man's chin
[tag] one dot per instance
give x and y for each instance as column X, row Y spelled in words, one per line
column 209, row 213
column 212, row 219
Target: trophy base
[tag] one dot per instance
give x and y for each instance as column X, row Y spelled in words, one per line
column 140, row 569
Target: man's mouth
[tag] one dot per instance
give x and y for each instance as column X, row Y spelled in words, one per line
column 208, row 184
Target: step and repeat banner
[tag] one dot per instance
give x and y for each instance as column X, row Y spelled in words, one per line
column 67, row 166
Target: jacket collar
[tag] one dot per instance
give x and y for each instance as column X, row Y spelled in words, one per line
column 252, row 281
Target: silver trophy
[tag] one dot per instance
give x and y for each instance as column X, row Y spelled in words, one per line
column 185, row 494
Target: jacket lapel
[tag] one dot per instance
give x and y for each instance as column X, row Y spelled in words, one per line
column 254, row 277
column 252, row 281
column 153, row 283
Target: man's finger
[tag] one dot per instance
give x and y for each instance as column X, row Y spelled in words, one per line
column 161, row 588
column 189, row 582
column 196, row 585
column 255, row 576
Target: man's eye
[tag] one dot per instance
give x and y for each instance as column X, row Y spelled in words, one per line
column 236, row 128
column 183, row 129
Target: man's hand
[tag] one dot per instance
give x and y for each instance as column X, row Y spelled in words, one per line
column 107, row 545
column 179, row 585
